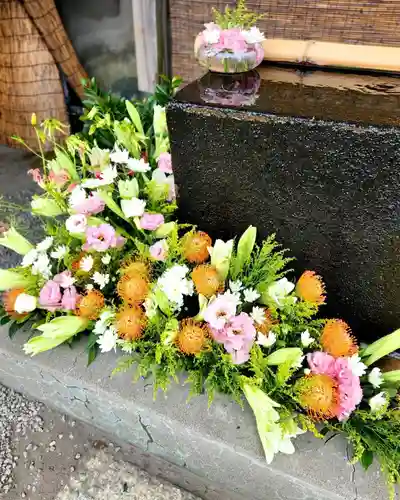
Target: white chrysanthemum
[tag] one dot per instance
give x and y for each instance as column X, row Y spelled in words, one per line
column 108, row 340
column 105, row 320
column 60, row 252
column 30, row 258
column 375, row 377
column 106, row 259
column 42, row 266
column 101, row 279
column 250, row 295
column 175, row 285
column 253, row 35
column 86, row 263
column 44, row 245
column 357, row 366
column 257, row 314
column 306, row 339
column 378, row 402
column 266, row 341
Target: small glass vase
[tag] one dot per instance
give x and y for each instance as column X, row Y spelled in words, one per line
column 228, row 57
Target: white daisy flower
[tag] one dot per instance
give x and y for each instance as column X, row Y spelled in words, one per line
column 250, row 295
column 101, row 279
column 235, row 286
column 306, row 339
column 378, row 402
column 60, row 252
column 375, row 377
column 357, row 366
column 108, row 341
column 30, row 258
column 42, row 266
column 266, row 340
column 86, row 263
column 44, row 245
column 258, row 315
column 106, row 259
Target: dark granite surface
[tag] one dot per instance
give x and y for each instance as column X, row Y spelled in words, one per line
column 330, row 190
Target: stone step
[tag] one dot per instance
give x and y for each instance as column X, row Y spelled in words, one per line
column 213, row 452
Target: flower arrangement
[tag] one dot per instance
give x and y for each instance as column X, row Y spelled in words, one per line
column 232, row 43
column 117, row 270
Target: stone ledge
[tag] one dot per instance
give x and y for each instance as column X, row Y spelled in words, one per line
column 217, row 448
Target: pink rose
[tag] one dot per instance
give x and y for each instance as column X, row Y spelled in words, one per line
column 164, row 163
column 159, row 250
column 50, row 296
column 69, row 299
column 64, row 279
column 151, row 221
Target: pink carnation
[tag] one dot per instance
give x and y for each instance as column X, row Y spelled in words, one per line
column 60, row 178
column 50, row 296
column 231, row 39
column 164, row 163
column 350, row 391
column 64, row 279
column 69, row 299
column 151, row 221
column 238, row 337
column 101, row 238
column 89, row 206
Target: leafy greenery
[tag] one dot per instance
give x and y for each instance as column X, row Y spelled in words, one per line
column 240, row 16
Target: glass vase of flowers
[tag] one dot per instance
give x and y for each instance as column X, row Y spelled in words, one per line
column 231, row 43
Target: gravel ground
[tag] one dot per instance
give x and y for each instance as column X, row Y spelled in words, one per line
column 47, row 456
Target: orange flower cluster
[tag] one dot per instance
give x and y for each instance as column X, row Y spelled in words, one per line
column 192, row 337
column 195, row 247
column 337, row 339
column 319, row 395
column 311, row 288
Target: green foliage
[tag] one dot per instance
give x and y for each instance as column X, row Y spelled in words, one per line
column 265, row 265
column 240, row 16
column 116, row 108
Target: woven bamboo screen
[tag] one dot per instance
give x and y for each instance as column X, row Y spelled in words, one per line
column 366, row 22
column 33, row 45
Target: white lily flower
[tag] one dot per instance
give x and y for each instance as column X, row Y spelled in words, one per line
column 107, row 177
column 138, row 165
column 133, row 207
column 119, row 156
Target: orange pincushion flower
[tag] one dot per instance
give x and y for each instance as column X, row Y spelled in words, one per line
column 206, row 280
column 133, row 289
column 311, row 288
column 319, row 395
column 192, row 337
column 137, row 268
column 91, row 304
column 130, row 322
column 9, row 299
column 268, row 323
column 195, row 247
column 337, row 340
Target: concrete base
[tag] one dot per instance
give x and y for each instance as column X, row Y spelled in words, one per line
column 215, row 452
